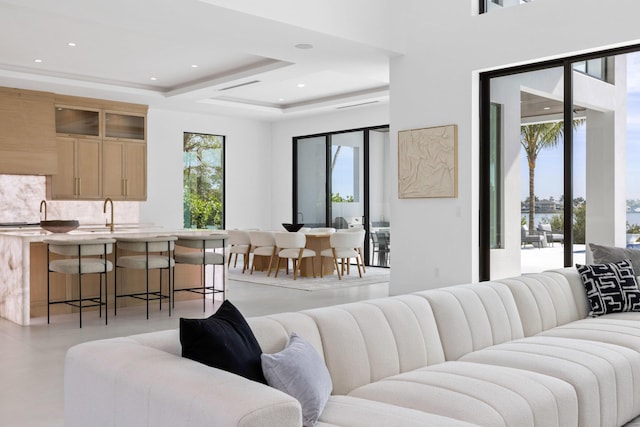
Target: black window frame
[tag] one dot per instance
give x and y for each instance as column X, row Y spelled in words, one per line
column 484, row 220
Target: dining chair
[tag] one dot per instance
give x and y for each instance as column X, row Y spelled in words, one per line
column 344, row 247
column 292, row 246
column 239, row 244
column 322, row 230
column 361, row 231
column 381, row 247
column 80, row 257
column 264, row 245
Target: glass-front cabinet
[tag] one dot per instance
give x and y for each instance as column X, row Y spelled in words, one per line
column 124, row 126
column 101, row 150
column 76, row 121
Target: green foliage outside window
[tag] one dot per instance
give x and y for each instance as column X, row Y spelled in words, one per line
column 203, row 179
column 337, row 198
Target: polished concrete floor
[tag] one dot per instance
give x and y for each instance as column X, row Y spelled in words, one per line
column 32, row 358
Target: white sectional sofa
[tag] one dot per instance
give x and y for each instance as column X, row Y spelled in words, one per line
column 516, row 352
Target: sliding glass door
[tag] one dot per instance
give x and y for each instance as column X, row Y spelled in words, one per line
column 333, row 174
column 560, row 167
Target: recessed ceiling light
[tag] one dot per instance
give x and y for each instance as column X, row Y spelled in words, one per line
column 280, row 99
column 304, row 46
column 154, row 78
column 301, row 85
column 72, row 44
column 547, row 108
column 37, row 61
column 194, row 66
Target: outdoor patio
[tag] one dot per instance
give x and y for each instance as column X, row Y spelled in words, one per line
column 535, row 260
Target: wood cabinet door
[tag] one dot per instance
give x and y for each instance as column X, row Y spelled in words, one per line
column 27, row 133
column 113, row 177
column 63, row 183
column 89, row 168
column 136, row 171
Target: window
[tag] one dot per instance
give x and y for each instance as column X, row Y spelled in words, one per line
column 495, row 176
column 489, row 5
column 203, row 157
column 599, row 68
column 571, row 179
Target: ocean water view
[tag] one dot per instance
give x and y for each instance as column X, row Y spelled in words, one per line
column 632, row 217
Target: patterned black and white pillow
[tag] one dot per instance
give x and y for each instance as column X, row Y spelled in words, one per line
column 611, row 288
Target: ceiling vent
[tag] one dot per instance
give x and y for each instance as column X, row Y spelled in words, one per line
column 357, row 105
column 240, row 85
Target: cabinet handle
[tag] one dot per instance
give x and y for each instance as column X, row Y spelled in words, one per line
column 75, row 187
column 79, row 186
column 126, row 187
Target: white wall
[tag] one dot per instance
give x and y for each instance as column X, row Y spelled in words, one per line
column 282, row 140
column 436, row 83
column 247, row 168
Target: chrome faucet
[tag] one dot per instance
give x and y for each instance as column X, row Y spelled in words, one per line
column 104, row 209
column 44, row 203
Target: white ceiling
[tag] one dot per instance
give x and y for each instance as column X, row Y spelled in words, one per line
column 247, row 65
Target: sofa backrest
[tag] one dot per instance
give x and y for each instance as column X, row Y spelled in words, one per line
column 273, row 331
column 472, row 317
column 360, row 342
column 548, row 299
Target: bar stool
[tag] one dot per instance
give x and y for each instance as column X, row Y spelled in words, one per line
column 82, row 256
column 203, row 257
column 157, row 254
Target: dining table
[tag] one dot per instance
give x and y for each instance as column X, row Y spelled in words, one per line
column 316, row 241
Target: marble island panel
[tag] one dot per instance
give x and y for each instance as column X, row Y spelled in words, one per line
column 15, row 259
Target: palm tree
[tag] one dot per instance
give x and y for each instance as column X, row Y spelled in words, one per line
column 534, row 138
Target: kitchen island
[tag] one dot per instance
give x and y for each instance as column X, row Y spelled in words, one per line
column 23, row 269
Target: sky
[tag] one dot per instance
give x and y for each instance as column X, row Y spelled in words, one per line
column 548, row 172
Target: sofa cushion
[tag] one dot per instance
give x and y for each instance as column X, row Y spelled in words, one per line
column 299, row 371
column 224, row 341
column 353, row 412
column 605, row 254
column 606, row 377
column 481, row 394
column 618, row 328
column 611, row 288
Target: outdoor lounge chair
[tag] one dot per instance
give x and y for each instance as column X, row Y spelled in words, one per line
column 552, row 236
column 536, row 239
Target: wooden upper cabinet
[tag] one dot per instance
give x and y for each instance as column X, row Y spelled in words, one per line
column 109, row 150
column 27, row 132
column 77, row 121
column 79, row 169
column 124, row 126
column 125, row 170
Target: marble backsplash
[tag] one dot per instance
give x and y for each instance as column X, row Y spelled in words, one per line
column 20, row 197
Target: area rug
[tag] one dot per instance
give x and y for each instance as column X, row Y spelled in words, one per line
column 328, row 282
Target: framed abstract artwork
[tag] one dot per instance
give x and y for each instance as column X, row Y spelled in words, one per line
column 428, row 162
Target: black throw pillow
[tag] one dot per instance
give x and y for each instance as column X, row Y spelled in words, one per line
column 611, row 288
column 225, row 341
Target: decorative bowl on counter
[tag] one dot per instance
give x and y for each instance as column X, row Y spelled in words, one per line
column 60, row 225
column 292, row 227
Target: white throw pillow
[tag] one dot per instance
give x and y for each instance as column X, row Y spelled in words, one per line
column 299, row 371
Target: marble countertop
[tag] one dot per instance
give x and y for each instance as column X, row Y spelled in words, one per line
column 15, row 257
column 37, row 234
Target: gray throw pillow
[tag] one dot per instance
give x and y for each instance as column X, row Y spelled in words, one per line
column 609, row 254
column 299, row 371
